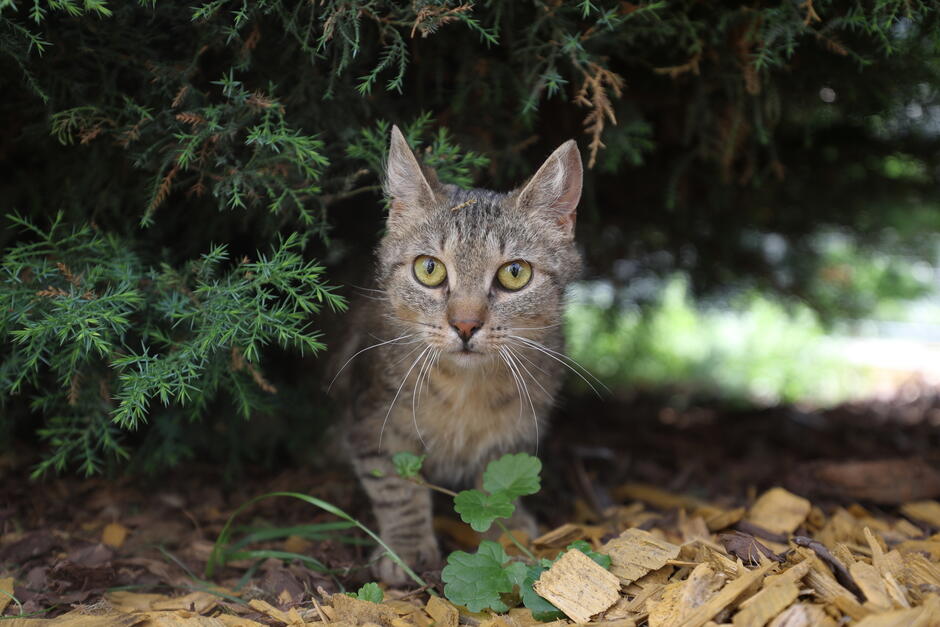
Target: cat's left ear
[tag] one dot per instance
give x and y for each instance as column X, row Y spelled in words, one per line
column 556, row 188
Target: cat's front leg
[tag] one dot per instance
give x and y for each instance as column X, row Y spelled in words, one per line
column 404, row 515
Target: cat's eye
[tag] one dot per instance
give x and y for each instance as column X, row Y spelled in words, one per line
column 429, row 270
column 514, row 275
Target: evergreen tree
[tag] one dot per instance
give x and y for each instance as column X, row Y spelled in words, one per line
column 171, row 173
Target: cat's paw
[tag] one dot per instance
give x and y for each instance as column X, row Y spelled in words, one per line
column 420, row 556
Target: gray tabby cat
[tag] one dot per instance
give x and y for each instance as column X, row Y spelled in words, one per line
column 464, row 339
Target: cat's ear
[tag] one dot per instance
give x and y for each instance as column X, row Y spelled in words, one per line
column 406, row 184
column 555, row 189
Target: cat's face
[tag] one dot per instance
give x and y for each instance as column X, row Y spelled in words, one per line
column 470, row 273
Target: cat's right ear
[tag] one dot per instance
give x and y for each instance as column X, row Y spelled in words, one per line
column 406, row 185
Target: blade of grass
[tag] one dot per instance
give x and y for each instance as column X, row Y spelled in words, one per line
column 217, row 557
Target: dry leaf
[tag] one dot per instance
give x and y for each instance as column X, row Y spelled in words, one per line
column 113, row 535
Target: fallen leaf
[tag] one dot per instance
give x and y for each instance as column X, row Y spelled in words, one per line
column 113, row 535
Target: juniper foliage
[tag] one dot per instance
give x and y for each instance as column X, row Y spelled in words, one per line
column 172, row 171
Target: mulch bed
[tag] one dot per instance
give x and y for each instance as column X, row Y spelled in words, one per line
column 855, row 488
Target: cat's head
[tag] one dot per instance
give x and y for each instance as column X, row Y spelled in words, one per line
column 465, row 271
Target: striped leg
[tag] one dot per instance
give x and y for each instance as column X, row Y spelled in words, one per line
column 403, row 511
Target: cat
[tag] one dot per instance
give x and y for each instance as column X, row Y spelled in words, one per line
column 458, row 353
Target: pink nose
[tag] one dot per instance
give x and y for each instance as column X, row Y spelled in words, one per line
column 466, row 328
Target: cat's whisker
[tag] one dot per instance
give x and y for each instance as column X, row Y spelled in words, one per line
column 515, row 378
column 550, row 326
column 398, row 392
column 392, row 341
column 525, row 387
column 519, row 363
column 422, row 371
column 407, row 355
column 560, row 358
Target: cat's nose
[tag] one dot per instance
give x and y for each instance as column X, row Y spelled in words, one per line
column 466, row 328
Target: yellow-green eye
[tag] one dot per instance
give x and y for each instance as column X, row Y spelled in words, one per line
column 430, row 271
column 514, row 275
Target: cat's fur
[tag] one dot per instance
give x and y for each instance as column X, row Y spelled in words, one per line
column 416, row 389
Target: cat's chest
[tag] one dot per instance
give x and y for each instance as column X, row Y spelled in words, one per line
column 464, row 417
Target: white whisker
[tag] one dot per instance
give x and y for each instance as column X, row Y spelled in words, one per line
column 560, row 358
column 527, row 371
column 525, row 387
column 405, row 378
column 392, row 341
column 414, row 395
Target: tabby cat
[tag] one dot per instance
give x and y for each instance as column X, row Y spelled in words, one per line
column 457, row 354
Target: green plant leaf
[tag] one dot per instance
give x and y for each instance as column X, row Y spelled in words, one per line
column 601, row 559
column 479, row 510
column 514, row 475
column 478, row 580
column 541, row 609
column 370, row 592
column 408, row 464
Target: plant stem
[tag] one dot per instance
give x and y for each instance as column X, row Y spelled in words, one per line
column 515, row 541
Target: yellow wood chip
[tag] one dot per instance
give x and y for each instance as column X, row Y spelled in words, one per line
column 680, row 599
column 803, row 615
column 620, row 622
column 897, row 618
column 560, row 537
column 924, row 511
column 230, row 620
column 725, row 597
column 355, row 611
column 779, row 511
column 269, row 610
column 402, row 608
column 655, row 496
column 114, row 535
column 791, row 575
column 760, row 608
column 717, row 518
column 578, row 586
column 920, row 571
column 6, row 592
column 443, row 612
column 198, row 602
column 871, row 584
column 637, row 552
column 930, row 547
column 522, row 617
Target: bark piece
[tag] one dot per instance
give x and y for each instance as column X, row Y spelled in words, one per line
column 680, row 599
column 443, row 612
column 763, row 606
column 924, row 511
column 725, row 597
column 578, row 586
column 779, row 511
column 871, row 584
column 350, row 610
column 6, row 592
column 636, row 552
column 803, row 615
